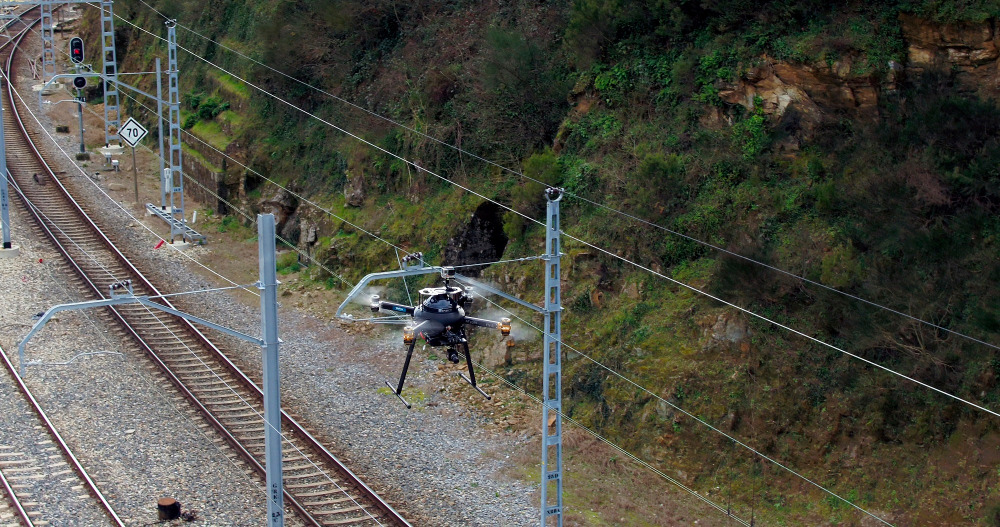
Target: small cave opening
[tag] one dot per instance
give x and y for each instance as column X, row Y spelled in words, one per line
column 481, row 240
column 251, row 182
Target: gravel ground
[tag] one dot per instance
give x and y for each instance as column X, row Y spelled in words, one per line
column 32, row 463
column 135, row 438
column 438, row 463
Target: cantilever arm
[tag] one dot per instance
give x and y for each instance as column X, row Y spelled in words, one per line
column 123, row 300
column 63, row 307
column 378, row 276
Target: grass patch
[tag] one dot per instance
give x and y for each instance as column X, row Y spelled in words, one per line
column 211, row 132
column 190, row 151
column 413, row 395
column 230, row 84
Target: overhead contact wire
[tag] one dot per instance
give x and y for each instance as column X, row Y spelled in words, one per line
column 234, row 392
column 579, row 197
column 605, row 251
column 697, row 419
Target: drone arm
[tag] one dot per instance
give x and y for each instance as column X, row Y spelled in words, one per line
column 482, row 322
column 398, row 308
column 503, row 325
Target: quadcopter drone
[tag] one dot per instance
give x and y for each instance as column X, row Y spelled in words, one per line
column 440, row 320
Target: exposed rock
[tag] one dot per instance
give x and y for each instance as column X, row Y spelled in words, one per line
column 597, row 298
column 631, row 290
column 354, row 190
column 723, row 331
column 291, row 229
column 283, row 205
column 814, row 92
column 499, row 353
column 966, row 51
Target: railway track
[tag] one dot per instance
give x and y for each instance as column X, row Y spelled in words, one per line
column 42, row 480
column 319, row 489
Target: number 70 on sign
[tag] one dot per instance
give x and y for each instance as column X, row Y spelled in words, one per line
column 132, row 132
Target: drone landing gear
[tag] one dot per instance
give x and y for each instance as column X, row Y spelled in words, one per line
column 406, row 365
column 471, row 379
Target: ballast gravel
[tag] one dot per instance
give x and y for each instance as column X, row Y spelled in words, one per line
column 438, row 463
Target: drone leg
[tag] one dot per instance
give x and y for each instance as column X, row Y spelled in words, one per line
column 402, row 377
column 471, row 379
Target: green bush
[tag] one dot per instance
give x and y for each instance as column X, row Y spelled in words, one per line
column 211, row 107
column 229, row 223
column 544, row 168
column 192, row 100
column 288, row 263
column 190, row 121
column 751, row 134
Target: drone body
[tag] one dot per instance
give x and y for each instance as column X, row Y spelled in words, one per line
column 440, row 319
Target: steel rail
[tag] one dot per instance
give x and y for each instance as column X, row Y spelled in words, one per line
column 67, row 453
column 77, row 467
column 16, row 503
column 291, row 424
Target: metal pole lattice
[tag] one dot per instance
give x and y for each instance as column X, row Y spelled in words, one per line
column 112, row 113
column 176, row 178
column 552, row 468
column 159, row 133
column 48, row 43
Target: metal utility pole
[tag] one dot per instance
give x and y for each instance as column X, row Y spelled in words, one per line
column 159, row 133
column 272, row 398
column 79, row 103
column 176, row 177
column 121, row 293
column 552, row 468
column 48, row 41
column 112, row 113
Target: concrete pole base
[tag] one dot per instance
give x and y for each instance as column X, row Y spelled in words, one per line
column 13, row 252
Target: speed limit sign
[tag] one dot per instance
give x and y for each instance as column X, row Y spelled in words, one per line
column 132, row 132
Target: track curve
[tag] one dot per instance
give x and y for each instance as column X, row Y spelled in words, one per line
column 318, row 487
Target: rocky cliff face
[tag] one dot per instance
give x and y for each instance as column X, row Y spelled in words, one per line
column 814, row 93
column 967, row 52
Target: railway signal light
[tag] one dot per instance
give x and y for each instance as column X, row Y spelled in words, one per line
column 76, row 50
column 79, row 82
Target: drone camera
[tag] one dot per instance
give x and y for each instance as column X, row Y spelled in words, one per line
column 447, row 273
column 375, row 305
column 409, row 335
column 504, row 326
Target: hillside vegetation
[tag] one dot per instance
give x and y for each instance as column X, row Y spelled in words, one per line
column 880, row 182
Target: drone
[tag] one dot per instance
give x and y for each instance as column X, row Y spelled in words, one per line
column 440, row 320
